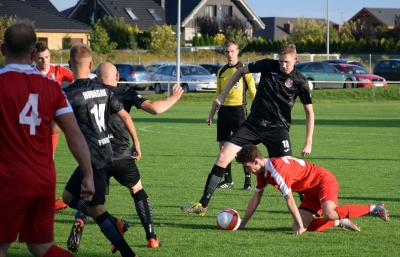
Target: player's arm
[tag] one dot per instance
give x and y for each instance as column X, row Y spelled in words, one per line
column 214, row 105
column 308, row 109
column 55, row 129
column 294, row 211
column 79, row 149
column 251, row 207
column 67, row 75
column 127, row 120
column 161, row 106
column 235, row 78
column 251, row 85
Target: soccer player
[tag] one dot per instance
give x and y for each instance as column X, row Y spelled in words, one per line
column 92, row 103
column 125, row 170
column 319, row 186
column 58, row 73
column 233, row 111
column 29, row 102
column 270, row 117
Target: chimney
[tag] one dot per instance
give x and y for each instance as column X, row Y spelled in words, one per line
column 288, row 27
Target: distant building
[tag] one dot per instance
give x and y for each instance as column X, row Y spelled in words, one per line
column 377, row 16
column 278, row 28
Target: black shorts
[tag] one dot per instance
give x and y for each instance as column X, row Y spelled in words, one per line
column 124, row 171
column 99, row 177
column 229, row 120
column 276, row 139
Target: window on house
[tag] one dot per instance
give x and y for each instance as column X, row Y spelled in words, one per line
column 226, row 11
column 131, row 14
column 211, row 11
column 154, row 14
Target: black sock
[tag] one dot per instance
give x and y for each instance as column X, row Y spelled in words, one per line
column 80, row 215
column 228, row 173
column 109, row 228
column 213, row 180
column 145, row 212
column 247, row 177
column 77, row 203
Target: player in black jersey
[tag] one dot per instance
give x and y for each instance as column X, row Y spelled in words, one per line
column 270, row 117
column 233, row 112
column 92, row 102
column 125, row 170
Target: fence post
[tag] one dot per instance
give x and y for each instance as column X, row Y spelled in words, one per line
column 370, row 64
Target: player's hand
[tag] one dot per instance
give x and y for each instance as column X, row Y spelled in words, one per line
column 136, row 153
column 176, row 91
column 209, row 121
column 87, row 189
column 299, row 231
column 306, row 150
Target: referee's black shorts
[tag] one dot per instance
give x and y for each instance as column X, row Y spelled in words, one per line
column 99, row 177
column 276, row 138
column 229, row 120
column 124, row 171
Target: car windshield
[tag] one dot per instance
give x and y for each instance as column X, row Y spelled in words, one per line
column 194, row 70
column 138, row 68
column 358, row 70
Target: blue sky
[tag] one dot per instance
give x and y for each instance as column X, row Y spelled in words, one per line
column 339, row 10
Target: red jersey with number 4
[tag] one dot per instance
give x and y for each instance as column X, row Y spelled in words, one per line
column 289, row 174
column 29, row 102
column 59, row 73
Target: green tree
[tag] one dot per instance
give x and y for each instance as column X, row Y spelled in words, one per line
column 99, row 39
column 195, row 41
column 308, row 30
column 162, row 40
column 207, row 40
column 67, row 42
column 201, row 41
column 119, row 32
column 6, row 22
column 238, row 35
column 346, row 34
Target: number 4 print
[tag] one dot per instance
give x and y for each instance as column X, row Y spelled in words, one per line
column 33, row 120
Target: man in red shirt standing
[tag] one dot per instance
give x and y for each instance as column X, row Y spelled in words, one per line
column 29, row 102
column 58, row 73
column 319, row 186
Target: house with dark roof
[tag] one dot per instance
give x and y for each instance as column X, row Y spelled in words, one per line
column 278, row 28
column 377, row 16
column 147, row 13
column 50, row 26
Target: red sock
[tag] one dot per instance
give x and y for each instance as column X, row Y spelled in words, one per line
column 320, row 224
column 352, row 211
column 56, row 251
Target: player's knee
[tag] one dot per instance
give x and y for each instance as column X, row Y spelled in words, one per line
column 330, row 215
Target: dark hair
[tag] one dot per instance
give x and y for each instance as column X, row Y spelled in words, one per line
column 248, row 153
column 19, row 39
column 41, row 46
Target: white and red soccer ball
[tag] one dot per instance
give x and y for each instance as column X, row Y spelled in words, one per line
column 228, row 219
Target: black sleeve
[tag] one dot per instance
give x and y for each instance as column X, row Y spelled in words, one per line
column 262, row 65
column 132, row 98
column 115, row 105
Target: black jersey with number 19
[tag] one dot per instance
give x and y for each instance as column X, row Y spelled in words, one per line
column 92, row 103
column 277, row 93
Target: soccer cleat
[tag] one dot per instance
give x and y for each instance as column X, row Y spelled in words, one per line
column 381, row 211
column 153, row 243
column 59, row 205
column 75, row 236
column 122, row 227
column 348, row 224
column 195, row 208
column 247, row 187
column 225, row 185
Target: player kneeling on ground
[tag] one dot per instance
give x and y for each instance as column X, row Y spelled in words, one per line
column 319, row 186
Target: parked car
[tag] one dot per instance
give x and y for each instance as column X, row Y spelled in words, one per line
column 193, row 77
column 151, row 68
column 132, row 72
column 212, row 68
column 389, row 69
column 362, row 75
column 345, row 61
column 323, row 75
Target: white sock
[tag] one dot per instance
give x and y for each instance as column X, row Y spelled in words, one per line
column 337, row 223
column 371, row 208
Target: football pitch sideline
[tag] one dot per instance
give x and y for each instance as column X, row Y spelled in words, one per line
column 356, row 141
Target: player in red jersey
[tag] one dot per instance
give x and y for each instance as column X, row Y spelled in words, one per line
column 58, row 73
column 319, row 186
column 29, row 102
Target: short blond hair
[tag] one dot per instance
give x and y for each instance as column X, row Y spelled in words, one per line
column 79, row 55
column 230, row 42
column 287, row 48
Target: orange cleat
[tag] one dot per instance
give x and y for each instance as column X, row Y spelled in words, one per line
column 122, row 227
column 59, row 205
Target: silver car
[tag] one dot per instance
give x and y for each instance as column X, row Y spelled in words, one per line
column 193, row 78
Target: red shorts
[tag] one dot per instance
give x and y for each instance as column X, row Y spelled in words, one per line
column 30, row 217
column 327, row 190
column 54, row 140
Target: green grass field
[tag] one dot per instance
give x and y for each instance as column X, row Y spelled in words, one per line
column 355, row 138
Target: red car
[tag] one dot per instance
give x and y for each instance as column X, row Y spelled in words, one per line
column 364, row 78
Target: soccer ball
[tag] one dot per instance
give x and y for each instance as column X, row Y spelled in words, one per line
column 228, row 219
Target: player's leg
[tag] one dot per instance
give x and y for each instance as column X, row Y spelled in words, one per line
column 227, row 183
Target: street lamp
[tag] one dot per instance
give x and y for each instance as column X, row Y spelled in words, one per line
column 327, row 29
